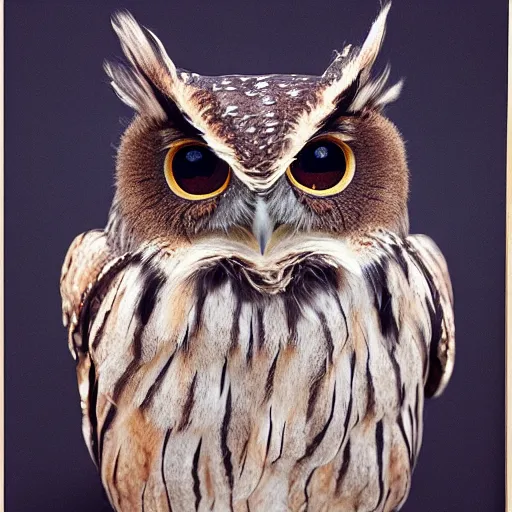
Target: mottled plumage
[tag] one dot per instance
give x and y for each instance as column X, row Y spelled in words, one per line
column 220, row 370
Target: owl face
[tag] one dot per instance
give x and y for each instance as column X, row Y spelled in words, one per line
column 255, row 153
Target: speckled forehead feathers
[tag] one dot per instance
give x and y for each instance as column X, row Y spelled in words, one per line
column 255, row 114
column 255, row 123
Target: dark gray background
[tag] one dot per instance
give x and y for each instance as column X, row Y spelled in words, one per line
column 62, row 123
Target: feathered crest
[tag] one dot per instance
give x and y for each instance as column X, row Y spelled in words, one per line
column 152, row 85
column 349, row 74
column 347, row 88
column 151, row 77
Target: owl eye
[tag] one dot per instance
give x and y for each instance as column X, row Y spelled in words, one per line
column 194, row 172
column 324, row 167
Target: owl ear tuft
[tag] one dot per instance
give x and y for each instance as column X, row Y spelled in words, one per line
column 375, row 94
column 147, row 82
column 348, row 76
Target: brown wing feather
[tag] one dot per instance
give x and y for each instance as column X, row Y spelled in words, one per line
column 442, row 348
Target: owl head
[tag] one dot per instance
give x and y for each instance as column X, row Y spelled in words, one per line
column 256, row 153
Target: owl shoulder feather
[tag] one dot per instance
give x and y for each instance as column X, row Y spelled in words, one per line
column 428, row 257
column 88, row 264
column 84, row 260
column 414, row 267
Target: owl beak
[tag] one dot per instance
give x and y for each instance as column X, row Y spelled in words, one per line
column 262, row 225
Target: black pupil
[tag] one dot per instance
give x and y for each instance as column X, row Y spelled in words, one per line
column 320, row 165
column 198, row 171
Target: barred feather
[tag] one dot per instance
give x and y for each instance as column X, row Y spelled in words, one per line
column 213, row 379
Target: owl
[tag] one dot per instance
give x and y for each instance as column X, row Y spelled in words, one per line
column 255, row 329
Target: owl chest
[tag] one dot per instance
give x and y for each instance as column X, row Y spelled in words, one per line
column 257, row 394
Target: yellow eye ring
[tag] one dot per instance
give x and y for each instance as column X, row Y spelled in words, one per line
column 197, row 173
column 335, row 179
